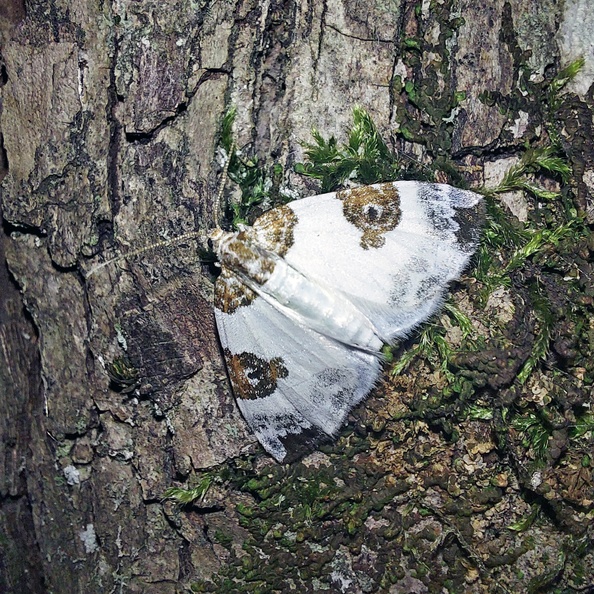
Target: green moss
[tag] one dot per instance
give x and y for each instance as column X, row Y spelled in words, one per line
column 259, row 185
column 190, row 496
column 526, row 522
column 123, row 376
column 365, row 157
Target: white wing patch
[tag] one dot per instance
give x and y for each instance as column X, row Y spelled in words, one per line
column 308, row 295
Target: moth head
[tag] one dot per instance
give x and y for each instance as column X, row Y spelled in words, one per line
column 217, row 238
column 216, row 235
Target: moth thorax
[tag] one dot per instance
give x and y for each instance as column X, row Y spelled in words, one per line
column 237, row 253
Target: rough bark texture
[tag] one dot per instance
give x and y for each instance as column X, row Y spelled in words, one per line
column 109, row 124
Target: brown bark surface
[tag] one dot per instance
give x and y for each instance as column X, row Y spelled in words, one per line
column 109, row 119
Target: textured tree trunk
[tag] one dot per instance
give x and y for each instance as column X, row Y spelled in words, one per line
column 110, row 121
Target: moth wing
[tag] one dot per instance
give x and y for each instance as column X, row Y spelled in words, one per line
column 294, row 386
column 390, row 248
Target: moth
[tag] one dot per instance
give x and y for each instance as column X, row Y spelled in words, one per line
column 308, row 296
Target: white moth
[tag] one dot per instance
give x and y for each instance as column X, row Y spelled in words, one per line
column 308, row 295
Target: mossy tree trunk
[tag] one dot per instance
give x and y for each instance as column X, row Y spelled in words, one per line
column 110, row 120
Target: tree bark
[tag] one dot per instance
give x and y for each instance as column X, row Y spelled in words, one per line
column 110, row 121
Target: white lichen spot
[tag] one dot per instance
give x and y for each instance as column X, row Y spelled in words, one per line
column 520, row 125
column 536, row 479
column 400, row 70
column 540, row 388
column 316, row 460
column 72, row 475
column 588, row 179
column 121, row 338
column 450, row 119
column 372, row 524
column 342, row 580
column 342, row 571
column 315, row 547
column 289, row 193
column 89, row 539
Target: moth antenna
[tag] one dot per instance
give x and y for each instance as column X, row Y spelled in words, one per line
column 180, row 238
column 146, row 248
column 217, row 204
